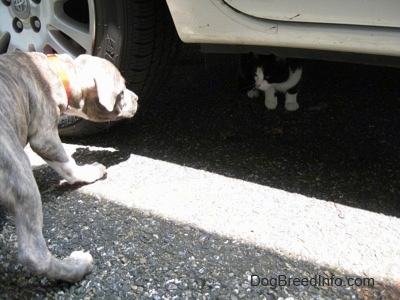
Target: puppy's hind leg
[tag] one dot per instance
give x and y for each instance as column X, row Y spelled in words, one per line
column 24, row 199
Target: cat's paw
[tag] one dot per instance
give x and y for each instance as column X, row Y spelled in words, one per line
column 253, row 93
column 292, row 106
column 271, row 102
column 271, row 99
column 291, row 102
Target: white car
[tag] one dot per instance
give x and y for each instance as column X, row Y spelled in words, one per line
column 354, row 30
column 139, row 36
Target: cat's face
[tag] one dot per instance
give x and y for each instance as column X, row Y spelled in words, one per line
column 264, row 68
column 270, row 69
column 261, row 79
column 263, row 71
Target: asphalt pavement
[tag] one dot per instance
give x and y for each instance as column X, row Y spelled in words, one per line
column 210, row 196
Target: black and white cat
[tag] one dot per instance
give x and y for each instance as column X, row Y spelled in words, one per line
column 274, row 75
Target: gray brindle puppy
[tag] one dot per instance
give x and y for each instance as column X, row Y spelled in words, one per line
column 34, row 90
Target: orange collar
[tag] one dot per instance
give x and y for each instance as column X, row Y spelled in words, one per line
column 53, row 58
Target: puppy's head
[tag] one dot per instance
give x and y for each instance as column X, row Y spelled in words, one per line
column 103, row 95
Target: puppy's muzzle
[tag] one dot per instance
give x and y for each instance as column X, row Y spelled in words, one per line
column 129, row 104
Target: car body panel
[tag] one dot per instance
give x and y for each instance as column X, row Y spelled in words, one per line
column 350, row 12
column 214, row 22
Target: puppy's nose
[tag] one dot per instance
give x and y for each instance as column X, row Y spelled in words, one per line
column 133, row 96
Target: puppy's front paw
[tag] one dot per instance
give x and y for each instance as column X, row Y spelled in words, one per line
column 81, row 258
column 73, row 173
column 91, row 173
column 76, row 266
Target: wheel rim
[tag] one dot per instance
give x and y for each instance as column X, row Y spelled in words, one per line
column 59, row 26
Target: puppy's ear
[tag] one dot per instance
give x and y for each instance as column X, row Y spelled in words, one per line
column 106, row 90
column 108, row 82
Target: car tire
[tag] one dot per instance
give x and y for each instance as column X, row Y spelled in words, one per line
column 139, row 37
